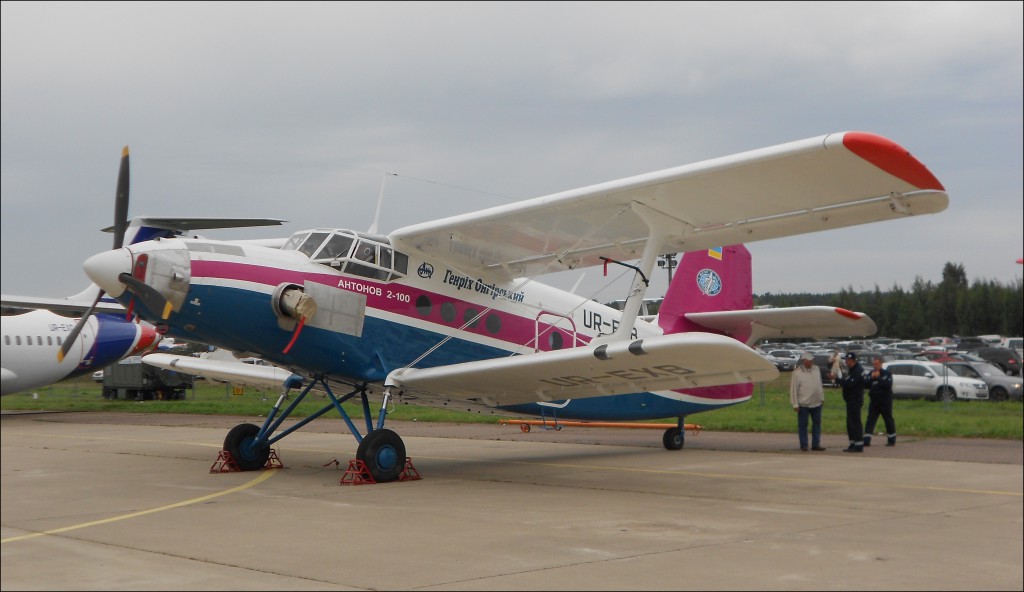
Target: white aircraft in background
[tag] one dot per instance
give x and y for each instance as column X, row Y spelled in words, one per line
column 46, row 340
column 450, row 312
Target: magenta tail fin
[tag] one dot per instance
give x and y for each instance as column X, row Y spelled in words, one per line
column 705, row 281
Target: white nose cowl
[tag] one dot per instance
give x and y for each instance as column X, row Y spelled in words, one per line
column 103, row 269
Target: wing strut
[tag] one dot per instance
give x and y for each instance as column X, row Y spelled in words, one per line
column 658, row 227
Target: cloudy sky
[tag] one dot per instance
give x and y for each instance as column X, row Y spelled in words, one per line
column 297, row 111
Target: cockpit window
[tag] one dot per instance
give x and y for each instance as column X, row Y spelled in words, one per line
column 337, row 246
column 354, row 253
column 294, row 242
column 312, row 243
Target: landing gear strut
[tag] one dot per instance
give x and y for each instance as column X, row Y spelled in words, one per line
column 383, row 451
column 675, row 438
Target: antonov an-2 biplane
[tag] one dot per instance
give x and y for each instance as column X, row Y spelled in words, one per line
column 450, row 312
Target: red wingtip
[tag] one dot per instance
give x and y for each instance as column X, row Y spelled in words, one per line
column 891, row 158
column 849, row 313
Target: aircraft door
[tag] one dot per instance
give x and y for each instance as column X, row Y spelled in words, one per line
column 553, row 331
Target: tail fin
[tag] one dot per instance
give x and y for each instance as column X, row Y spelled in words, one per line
column 713, row 280
column 706, row 281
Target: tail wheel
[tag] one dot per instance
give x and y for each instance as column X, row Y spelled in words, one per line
column 383, row 452
column 240, row 442
column 673, row 439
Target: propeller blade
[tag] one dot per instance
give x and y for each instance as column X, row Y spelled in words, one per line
column 70, row 340
column 120, row 228
column 121, row 201
column 149, row 296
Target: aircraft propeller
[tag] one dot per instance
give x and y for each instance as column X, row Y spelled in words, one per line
column 120, row 227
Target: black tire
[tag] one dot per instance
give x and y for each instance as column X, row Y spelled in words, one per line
column 998, row 393
column 673, row 439
column 945, row 393
column 383, row 451
column 239, row 442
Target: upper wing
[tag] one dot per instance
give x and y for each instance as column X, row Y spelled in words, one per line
column 798, row 321
column 806, row 186
column 662, row 362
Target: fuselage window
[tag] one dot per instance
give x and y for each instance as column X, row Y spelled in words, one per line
column 7, row 339
column 448, row 312
column 60, row 341
column 49, row 340
column 493, row 324
column 423, row 305
column 555, row 340
column 17, row 339
column 471, row 318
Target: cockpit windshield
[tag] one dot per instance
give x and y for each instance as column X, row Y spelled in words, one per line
column 355, row 253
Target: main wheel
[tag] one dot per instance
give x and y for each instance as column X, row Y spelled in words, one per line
column 673, row 439
column 239, row 442
column 383, row 451
column 998, row 394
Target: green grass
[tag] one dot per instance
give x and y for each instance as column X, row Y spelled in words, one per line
column 768, row 413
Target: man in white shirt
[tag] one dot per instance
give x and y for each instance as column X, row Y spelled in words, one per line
column 807, row 396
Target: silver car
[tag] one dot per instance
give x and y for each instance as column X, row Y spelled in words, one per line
column 1001, row 386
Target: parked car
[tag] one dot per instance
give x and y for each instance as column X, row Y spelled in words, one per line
column 913, row 379
column 784, row 359
column 1014, row 343
column 1001, row 387
column 972, row 343
column 97, row 376
column 1004, row 357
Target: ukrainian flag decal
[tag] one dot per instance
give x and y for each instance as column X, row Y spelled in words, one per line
column 715, row 253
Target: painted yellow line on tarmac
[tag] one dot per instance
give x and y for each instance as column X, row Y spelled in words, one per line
column 263, row 477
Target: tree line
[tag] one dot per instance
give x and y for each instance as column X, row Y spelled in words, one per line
column 951, row 308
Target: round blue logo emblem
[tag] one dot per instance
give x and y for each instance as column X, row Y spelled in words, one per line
column 709, row 282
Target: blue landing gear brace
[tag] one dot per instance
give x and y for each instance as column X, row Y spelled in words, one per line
column 383, row 451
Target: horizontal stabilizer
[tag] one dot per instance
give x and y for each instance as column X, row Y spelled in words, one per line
column 226, row 370
column 662, row 362
column 799, row 321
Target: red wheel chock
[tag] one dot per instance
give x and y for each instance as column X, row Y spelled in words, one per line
column 358, row 473
column 409, row 473
column 273, row 462
column 225, row 463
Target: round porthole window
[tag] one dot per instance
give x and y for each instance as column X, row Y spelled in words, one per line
column 423, row 305
column 493, row 324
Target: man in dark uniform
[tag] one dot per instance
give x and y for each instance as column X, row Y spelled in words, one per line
column 853, row 394
column 880, row 403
